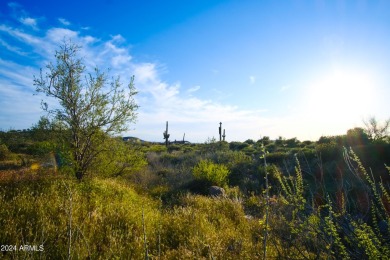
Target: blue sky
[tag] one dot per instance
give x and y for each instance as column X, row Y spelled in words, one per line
column 263, row 68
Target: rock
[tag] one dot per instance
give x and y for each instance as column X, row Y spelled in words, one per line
column 216, row 191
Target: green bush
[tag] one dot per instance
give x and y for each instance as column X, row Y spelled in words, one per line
column 119, row 159
column 41, row 148
column 4, row 152
column 329, row 151
column 276, row 157
column 214, row 174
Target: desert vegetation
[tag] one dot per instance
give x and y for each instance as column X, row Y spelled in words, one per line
column 73, row 188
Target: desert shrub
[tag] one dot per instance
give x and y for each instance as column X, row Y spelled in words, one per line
column 4, row 152
column 329, row 151
column 356, row 136
column 331, row 229
column 214, row 174
column 240, row 170
column 293, row 142
column 157, row 148
column 101, row 219
column 208, row 228
column 250, row 150
column 212, row 145
column 276, row 157
column 237, row 146
column 229, row 158
column 254, row 205
column 41, row 148
column 118, row 159
column 307, row 154
column 170, row 158
column 174, row 147
column 271, row 147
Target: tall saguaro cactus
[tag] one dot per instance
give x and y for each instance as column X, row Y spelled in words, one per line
column 166, row 135
column 220, row 131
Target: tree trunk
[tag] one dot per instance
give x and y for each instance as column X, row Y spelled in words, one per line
column 79, row 175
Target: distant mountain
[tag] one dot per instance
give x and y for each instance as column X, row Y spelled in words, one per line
column 133, row 139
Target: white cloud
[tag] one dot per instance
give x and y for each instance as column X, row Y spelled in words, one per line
column 12, row 48
column 117, row 38
column 57, row 35
column 145, row 72
column 159, row 100
column 64, row 21
column 28, row 21
column 252, row 79
column 193, row 89
column 19, row 107
column 19, row 35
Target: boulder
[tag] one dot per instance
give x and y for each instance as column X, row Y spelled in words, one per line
column 216, row 191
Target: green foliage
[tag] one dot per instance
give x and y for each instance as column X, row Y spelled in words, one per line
column 293, row 188
column 329, row 151
column 157, row 148
column 340, row 210
column 214, row 174
column 4, row 152
column 91, row 107
column 265, row 140
column 293, row 142
column 277, row 157
column 41, row 148
column 211, row 146
column 174, row 147
column 119, row 159
column 237, row 146
column 104, row 218
column 356, row 136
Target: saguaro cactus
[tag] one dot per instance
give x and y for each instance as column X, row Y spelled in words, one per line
column 166, row 135
column 220, row 131
column 224, row 135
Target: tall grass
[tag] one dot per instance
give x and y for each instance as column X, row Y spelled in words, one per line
column 107, row 219
column 113, row 218
column 326, row 230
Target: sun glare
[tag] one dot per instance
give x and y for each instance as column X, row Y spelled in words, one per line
column 340, row 94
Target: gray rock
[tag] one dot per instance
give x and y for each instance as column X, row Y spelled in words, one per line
column 216, row 191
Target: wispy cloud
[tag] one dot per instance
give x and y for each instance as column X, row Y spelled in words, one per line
column 193, row 89
column 14, row 5
column 28, row 21
column 12, row 48
column 159, row 100
column 64, row 21
column 20, row 35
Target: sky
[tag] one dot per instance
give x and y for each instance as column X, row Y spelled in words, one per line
column 299, row 68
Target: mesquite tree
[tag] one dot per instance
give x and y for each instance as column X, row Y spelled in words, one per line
column 92, row 106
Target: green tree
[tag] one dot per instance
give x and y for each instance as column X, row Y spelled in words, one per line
column 92, row 107
column 356, row 136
